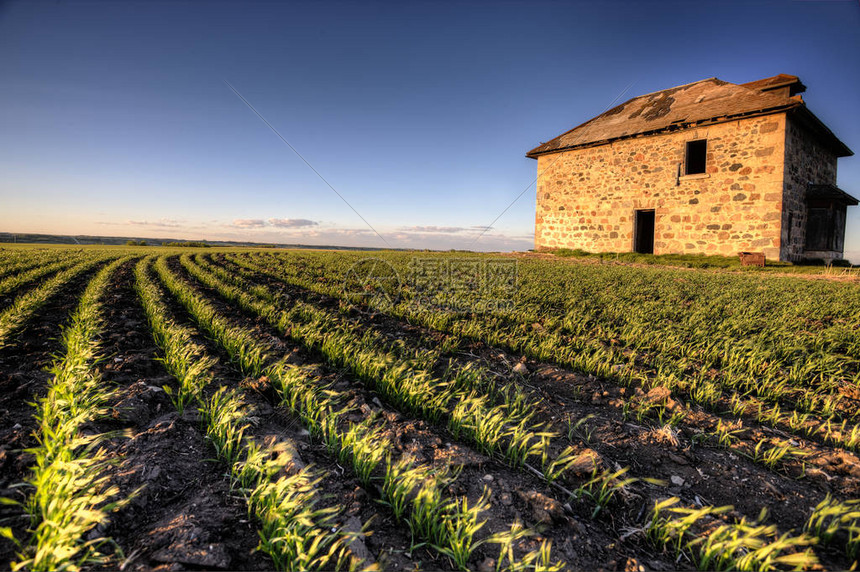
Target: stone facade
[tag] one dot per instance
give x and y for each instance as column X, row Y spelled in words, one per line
column 587, row 198
column 806, row 161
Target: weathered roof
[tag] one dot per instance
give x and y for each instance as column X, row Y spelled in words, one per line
column 707, row 101
column 776, row 82
column 830, row 192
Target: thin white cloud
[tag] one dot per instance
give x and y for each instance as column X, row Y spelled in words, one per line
column 280, row 223
column 292, row 222
column 161, row 223
column 433, row 229
column 315, row 233
column 359, row 237
column 249, row 223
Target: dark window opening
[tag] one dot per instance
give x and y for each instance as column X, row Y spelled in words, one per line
column 643, row 241
column 825, row 226
column 696, row 157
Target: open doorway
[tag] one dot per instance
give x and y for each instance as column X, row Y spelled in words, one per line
column 643, row 241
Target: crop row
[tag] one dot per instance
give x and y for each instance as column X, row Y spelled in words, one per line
column 778, row 455
column 773, row 456
column 462, row 401
column 23, row 276
column 764, row 538
column 13, row 317
column 458, row 399
column 755, row 547
column 294, row 533
column 14, row 262
column 699, row 535
column 70, row 491
column 804, row 411
column 714, row 315
column 413, row 491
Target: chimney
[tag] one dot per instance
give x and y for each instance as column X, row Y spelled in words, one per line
column 783, row 85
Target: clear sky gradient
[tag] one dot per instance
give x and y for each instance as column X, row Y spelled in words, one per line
column 115, row 118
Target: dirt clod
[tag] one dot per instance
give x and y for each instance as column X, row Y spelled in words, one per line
column 357, row 546
column 587, row 462
column 287, row 453
column 543, row 508
column 658, row 394
column 209, row 556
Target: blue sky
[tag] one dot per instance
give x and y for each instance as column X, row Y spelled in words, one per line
column 115, row 119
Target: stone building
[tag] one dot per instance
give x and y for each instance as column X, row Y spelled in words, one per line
column 709, row 167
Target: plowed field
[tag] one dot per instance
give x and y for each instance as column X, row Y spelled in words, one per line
column 263, row 409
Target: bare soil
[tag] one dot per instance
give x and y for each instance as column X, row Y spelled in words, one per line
column 24, row 376
column 516, row 494
column 693, row 468
column 184, row 515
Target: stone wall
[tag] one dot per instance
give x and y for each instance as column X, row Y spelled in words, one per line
column 806, row 161
column 587, row 198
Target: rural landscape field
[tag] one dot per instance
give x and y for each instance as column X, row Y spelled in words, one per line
column 202, row 408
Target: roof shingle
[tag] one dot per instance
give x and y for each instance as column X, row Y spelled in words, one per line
column 706, row 101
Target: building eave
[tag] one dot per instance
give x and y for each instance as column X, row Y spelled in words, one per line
column 534, row 153
column 830, row 192
column 810, row 121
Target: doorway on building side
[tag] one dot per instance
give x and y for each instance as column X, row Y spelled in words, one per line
column 643, row 241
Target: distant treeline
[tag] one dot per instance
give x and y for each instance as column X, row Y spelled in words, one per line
column 193, row 244
column 31, row 238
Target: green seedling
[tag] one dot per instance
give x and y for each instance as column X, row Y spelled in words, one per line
column 603, row 486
